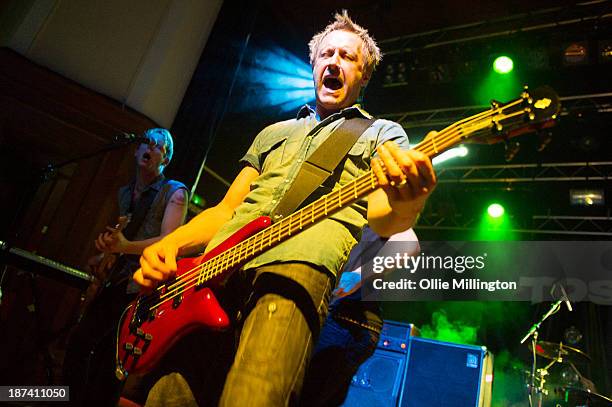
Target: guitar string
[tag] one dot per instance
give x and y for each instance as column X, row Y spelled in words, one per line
column 227, row 257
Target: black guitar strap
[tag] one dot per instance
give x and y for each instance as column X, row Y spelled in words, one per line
column 139, row 213
column 321, row 164
column 127, row 263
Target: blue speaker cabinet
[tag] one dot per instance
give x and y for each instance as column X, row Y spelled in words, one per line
column 378, row 382
column 442, row 374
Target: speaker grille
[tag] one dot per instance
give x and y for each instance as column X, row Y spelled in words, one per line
column 377, row 381
column 442, row 375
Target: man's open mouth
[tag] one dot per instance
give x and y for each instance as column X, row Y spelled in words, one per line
column 146, row 156
column 333, row 83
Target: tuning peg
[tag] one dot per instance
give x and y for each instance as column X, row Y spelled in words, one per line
column 525, row 93
column 495, row 103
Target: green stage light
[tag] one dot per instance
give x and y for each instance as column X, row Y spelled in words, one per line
column 503, row 65
column 197, row 200
column 495, row 210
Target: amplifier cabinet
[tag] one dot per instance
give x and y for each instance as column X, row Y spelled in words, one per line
column 378, row 381
column 443, row 374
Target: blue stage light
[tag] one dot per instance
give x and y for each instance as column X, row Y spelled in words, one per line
column 277, row 79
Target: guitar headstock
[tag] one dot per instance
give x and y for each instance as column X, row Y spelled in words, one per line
column 122, row 222
column 532, row 111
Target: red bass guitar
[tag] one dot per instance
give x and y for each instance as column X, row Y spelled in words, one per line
column 153, row 323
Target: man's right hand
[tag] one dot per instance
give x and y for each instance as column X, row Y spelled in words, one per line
column 158, row 261
column 157, row 264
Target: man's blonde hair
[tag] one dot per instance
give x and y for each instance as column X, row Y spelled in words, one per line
column 342, row 21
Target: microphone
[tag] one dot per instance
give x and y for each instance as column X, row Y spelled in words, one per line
column 129, row 138
column 565, row 298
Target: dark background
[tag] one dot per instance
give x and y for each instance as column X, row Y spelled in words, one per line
column 446, row 48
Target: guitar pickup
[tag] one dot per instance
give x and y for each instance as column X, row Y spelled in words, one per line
column 177, row 301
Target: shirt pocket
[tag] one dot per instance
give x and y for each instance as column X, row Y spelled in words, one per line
column 272, row 151
column 358, row 158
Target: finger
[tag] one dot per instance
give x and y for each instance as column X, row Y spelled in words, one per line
column 145, row 284
column 392, row 169
column 155, row 257
column 383, row 181
column 431, row 134
column 406, row 163
column 151, row 273
column 101, row 245
column 378, row 171
column 426, row 173
column 170, row 258
column 98, row 246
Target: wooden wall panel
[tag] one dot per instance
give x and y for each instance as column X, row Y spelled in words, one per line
column 47, row 119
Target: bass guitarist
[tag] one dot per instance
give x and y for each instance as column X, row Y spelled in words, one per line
column 290, row 284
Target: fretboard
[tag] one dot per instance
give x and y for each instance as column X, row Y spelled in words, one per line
column 336, row 200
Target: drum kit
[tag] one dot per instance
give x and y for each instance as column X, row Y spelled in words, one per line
column 559, row 383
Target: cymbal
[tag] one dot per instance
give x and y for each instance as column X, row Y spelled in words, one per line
column 554, row 351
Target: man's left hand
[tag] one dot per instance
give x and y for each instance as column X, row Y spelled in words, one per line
column 406, row 176
column 112, row 241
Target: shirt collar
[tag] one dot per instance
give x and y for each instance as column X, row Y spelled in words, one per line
column 353, row 111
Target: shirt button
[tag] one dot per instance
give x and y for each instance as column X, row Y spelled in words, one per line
column 286, row 181
column 299, row 160
column 274, row 201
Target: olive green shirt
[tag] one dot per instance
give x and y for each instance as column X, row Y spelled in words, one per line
column 277, row 153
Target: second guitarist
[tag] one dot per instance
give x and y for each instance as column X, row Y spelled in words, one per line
column 154, row 207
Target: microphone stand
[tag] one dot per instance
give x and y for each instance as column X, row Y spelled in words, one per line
column 119, row 141
column 533, row 333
